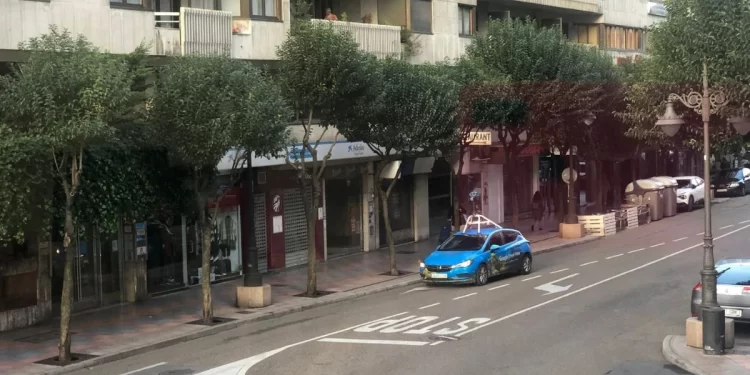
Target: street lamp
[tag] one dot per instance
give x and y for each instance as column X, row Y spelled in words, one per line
column 707, row 103
column 572, row 218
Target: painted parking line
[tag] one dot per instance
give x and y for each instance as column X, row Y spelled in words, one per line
column 586, row 264
column 144, row 369
column 727, row 226
column 615, row 256
column 558, row 271
column 657, row 245
column 498, row 287
column 374, row 342
column 532, row 278
column 465, row 295
column 636, row 250
column 428, row 306
column 679, row 239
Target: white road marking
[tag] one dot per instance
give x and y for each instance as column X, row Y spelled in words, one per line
column 416, row 290
column 550, row 287
column 727, row 226
column 614, row 256
column 558, row 271
column 699, row 234
column 532, row 278
column 657, row 245
column 586, row 264
column 619, row 275
column 743, row 222
column 466, row 295
column 145, row 368
column 679, row 239
column 636, row 250
column 436, row 343
column 498, row 287
column 375, row 342
column 243, row 365
column 428, row 306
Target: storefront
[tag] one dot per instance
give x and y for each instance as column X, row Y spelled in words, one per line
column 24, row 283
column 343, row 209
column 440, row 188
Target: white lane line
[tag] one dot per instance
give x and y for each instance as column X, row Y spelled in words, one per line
column 727, row 226
column 657, row 245
column 243, row 365
column 615, row 256
column 743, row 222
column 679, row 239
column 636, row 250
column 498, row 287
column 699, row 234
column 532, row 278
column 586, row 264
column 428, row 306
column 374, row 342
column 619, row 275
column 466, row 295
column 144, row 369
column 558, row 271
column 436, row 343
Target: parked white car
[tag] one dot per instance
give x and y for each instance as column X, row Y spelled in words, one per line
column 691, row 190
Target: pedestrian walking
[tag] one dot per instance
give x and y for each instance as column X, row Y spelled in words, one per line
column 537, row 210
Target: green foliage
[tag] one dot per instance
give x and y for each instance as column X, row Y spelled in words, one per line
column 322, row 71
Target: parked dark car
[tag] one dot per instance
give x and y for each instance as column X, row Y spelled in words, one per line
column 732, row 181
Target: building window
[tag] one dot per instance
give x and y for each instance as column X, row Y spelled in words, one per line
column 466, row 25
column 127, row 2
column 623, row 38
column 421, row 16
column 586, row 34
column 264, row 8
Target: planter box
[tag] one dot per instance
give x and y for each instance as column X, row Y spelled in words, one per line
column 599, row 225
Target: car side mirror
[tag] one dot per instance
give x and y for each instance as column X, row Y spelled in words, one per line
column 494, row 247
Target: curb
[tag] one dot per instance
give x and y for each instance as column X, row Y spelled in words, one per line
column 327, row 300
column 672, row 357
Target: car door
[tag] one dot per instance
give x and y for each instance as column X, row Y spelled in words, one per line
column 499, row 253
column 512, row 244
column 699, row 192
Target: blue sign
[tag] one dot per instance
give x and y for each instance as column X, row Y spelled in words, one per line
column 294, row 154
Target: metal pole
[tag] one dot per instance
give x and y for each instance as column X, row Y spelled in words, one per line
column 713, row 342
column 571, row 217
column 252, row 275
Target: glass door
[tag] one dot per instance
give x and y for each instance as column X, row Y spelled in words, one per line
column 109, row 255
column 84, row 268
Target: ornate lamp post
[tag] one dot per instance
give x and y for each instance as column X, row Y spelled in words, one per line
column 706, row 104
column 572, row 217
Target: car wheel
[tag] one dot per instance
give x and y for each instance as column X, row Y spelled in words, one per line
column 526, row 265
column 690, row 204
column 482, row 275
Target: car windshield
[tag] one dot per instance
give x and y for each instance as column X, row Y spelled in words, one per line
column 729, row 174
column 683, row 184
column 463, row 242
column 739, row 275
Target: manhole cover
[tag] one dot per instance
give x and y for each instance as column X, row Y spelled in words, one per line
column 177, row 372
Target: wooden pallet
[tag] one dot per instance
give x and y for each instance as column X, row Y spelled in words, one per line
column 599, row 225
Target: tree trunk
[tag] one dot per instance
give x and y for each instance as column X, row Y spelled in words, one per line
column 387, row 222
column 459, row 190
column 510, row 158
column 206, row 226
column 311, row 215
column 596, row 185
column 67, row 290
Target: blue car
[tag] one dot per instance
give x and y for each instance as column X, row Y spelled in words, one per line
column 476, row 253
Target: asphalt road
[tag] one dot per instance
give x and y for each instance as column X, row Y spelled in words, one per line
column 599, row 308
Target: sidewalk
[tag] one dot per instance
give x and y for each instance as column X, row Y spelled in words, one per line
column 117, row 332
column 735, row 362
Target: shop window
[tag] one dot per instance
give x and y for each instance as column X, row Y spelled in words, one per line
column 623, row 38
column 18, row 276
column 466, row 24
column 421, row 16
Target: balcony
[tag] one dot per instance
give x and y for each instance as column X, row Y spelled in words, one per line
column 589, row 6
column 193, row 31
column 380, row 40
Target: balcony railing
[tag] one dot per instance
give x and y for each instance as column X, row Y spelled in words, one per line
column 193, row 31
column 591, row 6
column 380, row 40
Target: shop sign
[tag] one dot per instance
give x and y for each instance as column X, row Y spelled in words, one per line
column 277, row 203
column 480, row 138
column 358, row 149
column 140, row 239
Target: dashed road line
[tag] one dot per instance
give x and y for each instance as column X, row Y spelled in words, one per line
column 465, row 295
column 532, row 278
column 498, row 287
column 144, row 369
column 636, row 250
column 375, row 342
column 699, row 234
column 428, row 306
column 586, row 264
column 615, row 256
column 727, row 226
column 679, row 239
column 558, row 271
column 657, row 245
column 743, row 222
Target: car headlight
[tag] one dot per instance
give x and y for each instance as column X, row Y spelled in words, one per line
column 734, row 184
column 421, row 264
column 463, row 264
column 683, row 196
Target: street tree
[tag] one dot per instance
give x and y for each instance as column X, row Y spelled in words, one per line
column 412, row 112
column 203, row 109
column 322, row 74
column 65, row 98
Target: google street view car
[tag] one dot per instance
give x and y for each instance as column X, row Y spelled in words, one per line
column 480, row 250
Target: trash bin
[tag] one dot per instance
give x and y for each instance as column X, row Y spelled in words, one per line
column 670, row 194
column 649, row 193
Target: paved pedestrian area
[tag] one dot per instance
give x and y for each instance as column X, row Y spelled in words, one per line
column 159, row 321
column 735, row 362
